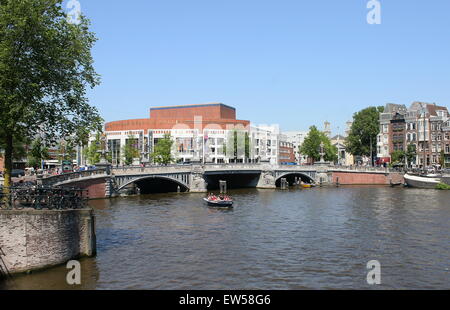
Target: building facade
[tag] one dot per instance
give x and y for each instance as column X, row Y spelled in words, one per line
column 200, row 133
column 423, row 130
column 286, row 153
column 297, row 138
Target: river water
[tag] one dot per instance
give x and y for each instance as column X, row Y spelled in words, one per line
column 319, row 238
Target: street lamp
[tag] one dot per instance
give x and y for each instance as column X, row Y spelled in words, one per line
column 322, row 153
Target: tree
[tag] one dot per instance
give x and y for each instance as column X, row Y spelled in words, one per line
column 238, row 143
column 92, row 150
column 162, row 153
column 67, row 150
column 130, row 150
column 19, row 147
column 311, row 146
column 37, row 153
column 410, row 153
column 398, row 156
column 45, row 68
column 363, row 133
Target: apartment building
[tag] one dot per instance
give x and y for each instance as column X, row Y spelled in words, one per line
column 425, row 126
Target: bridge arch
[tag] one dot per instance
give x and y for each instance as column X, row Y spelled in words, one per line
column 155, row 184
column 290, row 177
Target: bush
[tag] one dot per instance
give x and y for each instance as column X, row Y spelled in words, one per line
column 443, row 186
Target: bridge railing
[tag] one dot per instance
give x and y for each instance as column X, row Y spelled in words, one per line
column 150, row 169
column 72, row 176
column 231, row 166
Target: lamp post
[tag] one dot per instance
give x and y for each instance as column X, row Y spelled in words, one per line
column 322, row 153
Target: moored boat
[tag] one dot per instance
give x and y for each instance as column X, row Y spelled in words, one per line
column 421, row 181
column 307, row 185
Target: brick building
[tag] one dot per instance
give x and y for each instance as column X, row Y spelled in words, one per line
column 424, row 126
column 199, row 133
column 286, row 153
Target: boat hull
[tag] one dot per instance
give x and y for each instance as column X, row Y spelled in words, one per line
column 308, row 185
column 219, row 204
column 421, row 182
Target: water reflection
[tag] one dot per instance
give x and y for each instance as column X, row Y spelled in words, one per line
column 319, row 238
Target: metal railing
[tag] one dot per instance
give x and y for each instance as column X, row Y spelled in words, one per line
column 43, row 197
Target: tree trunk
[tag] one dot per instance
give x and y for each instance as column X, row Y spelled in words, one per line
column 8, row 167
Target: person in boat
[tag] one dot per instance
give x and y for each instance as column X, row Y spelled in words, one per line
column 212, row 197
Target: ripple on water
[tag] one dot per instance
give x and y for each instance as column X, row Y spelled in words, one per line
column 297, row 239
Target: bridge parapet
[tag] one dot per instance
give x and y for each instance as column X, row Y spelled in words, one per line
column 73, row 177
column 150, row 170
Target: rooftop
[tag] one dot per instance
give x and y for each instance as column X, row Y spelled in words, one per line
column 185, row 106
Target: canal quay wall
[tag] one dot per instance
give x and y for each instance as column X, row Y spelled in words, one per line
column 366, row 178
column 38, row 239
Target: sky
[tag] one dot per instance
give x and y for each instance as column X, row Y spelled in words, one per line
column 289, row 62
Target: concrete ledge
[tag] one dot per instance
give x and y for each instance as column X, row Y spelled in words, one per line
column 37, row 239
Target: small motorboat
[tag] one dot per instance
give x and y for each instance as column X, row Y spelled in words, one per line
column 393, row 184
column 219, row 203
column 307, row 185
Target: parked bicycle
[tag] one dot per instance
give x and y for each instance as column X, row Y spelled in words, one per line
column 43, row 197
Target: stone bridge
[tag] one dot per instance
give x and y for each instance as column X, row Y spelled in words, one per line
column 112, row 181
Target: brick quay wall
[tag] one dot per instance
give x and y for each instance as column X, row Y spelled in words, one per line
column 366, row 178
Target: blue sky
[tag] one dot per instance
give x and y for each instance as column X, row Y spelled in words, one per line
column 290, row 62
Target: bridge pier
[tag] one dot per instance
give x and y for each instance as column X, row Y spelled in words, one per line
column 197, row 181
column 266, row 180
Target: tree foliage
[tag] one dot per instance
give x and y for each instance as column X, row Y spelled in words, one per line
column 364, row 130
column 311, row 145
column 91, row 150
column 162, row 153
column 130, row 150
column 37, row 153
column 398, row 157
column 45, row 68
column 411, row 153
column 237, row 144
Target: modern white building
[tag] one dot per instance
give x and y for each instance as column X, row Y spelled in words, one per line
column 297, row 138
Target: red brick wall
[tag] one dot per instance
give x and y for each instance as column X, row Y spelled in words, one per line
column 213, row 111
column 96, row 187
column 286, row 151
column 355, row 178
column 220, row 115
column 132, row 124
